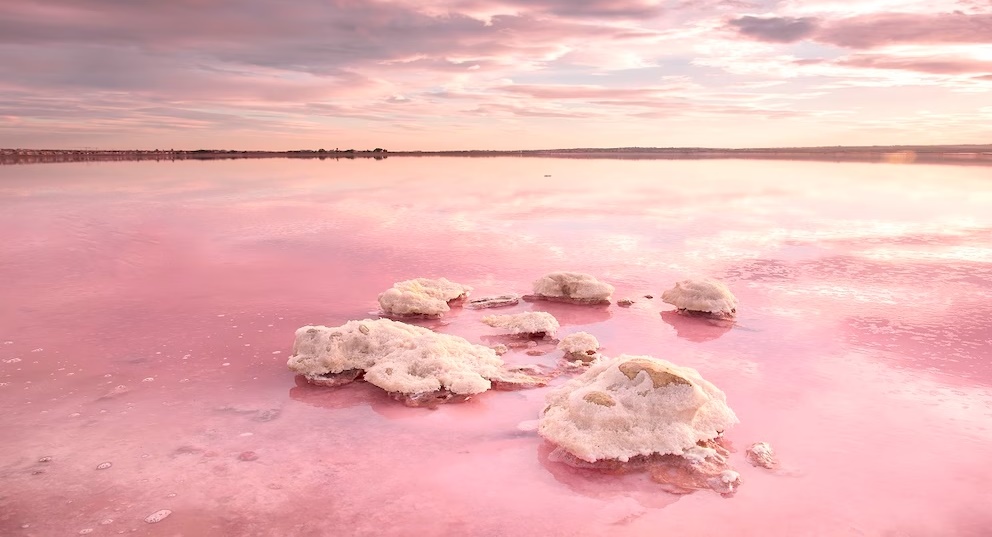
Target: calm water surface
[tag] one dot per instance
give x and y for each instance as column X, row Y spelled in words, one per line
column 147, row 311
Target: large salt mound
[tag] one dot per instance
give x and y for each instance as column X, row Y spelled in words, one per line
column 529, row 323
column 422, row 296
column 572, row 287
column 703, row 296
column 394, row 356
column 635, row 406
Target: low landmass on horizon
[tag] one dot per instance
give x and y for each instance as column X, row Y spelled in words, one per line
column 968, row 153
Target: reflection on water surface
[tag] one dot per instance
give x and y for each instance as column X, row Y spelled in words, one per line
column 149, row 309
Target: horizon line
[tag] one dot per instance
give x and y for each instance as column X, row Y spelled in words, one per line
column 545, row 150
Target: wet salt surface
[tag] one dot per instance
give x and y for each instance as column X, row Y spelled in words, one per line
column 862, row 349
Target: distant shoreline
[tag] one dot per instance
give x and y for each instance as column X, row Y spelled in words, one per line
column 948, row 154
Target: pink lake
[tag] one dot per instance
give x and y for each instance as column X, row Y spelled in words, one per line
column 147, row 311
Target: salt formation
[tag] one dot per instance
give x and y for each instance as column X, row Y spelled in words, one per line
column 531, row 323
column 581, row 346
column 761, row 454
column 158, row 516
column 574, row 287
column 421, row 296
column 702, row 296
column 413, row 364
column 639, row 412
column 493, row 302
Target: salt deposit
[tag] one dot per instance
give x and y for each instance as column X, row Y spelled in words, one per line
column 635, row 405
column 761, row 454
column 421, row 296
column 500, row 301
column 531, row 323
column 415, row 365
column 158, row 516
column 702, row 296
column 580, row 346
column 574, row 287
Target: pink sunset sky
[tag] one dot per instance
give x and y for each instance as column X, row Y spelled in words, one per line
column 490, row 74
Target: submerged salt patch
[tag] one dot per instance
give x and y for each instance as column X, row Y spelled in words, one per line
column 530, row 322
column 725, row 483
column 421, row 296
column 500, row 301
column 635, row 406
column 705, row 296
column 573, row 286
column 158, row 516
column 395, row 356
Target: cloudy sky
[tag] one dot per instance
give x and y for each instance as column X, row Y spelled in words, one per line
column 493, row 74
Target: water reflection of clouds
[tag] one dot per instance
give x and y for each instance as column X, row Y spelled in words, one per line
column 956, row 342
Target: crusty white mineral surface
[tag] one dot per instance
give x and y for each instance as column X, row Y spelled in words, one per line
column 422, row 296
column 579, row 346
column 500, row 301
column 702, row 296
column 572, row 287
column 415, row 365
column 528, row 323
column 394, row 356
column 634, row 406
column 761, row 454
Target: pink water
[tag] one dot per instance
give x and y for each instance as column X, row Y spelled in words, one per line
column 862, row 351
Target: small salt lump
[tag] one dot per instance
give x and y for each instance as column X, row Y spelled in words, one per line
column 634, row 406
column 761, row 454
column 531, row 323
column 500, row 301
column 421, row 296
column 158, row 516
column 573, row 287
column 702, row 296
column 725, row 483
column 579, row 346
column 394, row 356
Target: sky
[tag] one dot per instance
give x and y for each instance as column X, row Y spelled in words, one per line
column 493, row 74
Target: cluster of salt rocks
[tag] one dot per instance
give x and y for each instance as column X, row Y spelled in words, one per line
column 629, row 412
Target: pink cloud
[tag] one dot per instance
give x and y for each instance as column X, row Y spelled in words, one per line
column 869, row 31
column 775, row 29
column 939, row 66
column 465, row 71
column 893, row 28
column 525, row 111
column 557, row 91
column 583, row 9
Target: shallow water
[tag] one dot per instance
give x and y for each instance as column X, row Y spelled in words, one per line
column 147, row 311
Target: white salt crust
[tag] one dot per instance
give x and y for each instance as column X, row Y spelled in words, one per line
column 635, row 405
column 705, row 296
column 395, row 356
column 421, row 296
column 530, row 322
column 580, row 346
column 573, row 285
